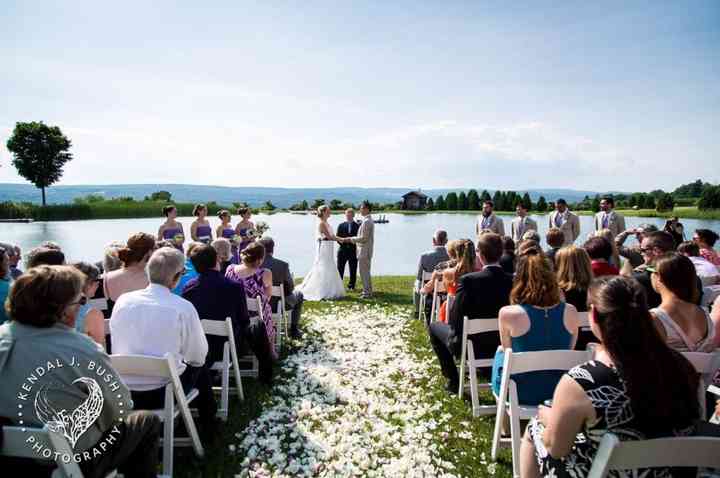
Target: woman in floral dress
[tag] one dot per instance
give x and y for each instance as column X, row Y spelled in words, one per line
column 257, row 282
column 636, row 387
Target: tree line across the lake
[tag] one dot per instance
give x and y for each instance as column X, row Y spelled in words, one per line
column 40, row 152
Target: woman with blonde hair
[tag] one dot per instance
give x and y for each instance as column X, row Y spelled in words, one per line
column 462, row 261
column 538, row 319
column 574, row 274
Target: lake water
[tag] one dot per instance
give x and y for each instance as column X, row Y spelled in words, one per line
column 397, row 244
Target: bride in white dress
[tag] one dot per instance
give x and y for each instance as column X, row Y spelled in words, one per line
column 323, row 281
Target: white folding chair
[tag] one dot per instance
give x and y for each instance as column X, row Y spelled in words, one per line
column 614, row 454
column 229, row 361
column 18, row 442
column 165, row 368
column 508, row 403
column 437, row 300
column 706, row 364
column 253, row 305
column 426, row 276
column 280, row 318
column 469, row 361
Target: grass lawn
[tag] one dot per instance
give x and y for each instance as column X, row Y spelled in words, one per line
column 462, row 440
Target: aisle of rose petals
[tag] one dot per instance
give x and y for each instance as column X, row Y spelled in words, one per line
column 348, row 404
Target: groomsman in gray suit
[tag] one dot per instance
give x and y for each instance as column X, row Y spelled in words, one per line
column 521, row 224
column 488, row 221
column 607, row 218
column 566, row 221
column 365, row 241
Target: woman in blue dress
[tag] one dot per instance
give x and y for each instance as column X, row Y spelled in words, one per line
column 226, row 230
column 171, row 230
column 244, row 228
column 537, row 320
column 200, row 229
column 89, row 320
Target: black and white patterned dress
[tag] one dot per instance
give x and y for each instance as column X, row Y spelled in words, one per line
column 606, row 390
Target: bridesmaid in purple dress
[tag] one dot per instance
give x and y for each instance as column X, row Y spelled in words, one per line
column 171, row 229
column 257, row 282
column 244, row 227
column 200, row 229
column 226, row 230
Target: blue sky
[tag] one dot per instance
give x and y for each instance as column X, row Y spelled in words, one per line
column 583, row 95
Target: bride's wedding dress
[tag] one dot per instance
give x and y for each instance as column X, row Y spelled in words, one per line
column 323, row 281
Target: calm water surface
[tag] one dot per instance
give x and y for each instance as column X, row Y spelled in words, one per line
column 397, row 244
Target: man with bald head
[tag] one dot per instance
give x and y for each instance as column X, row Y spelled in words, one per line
column 430, row 259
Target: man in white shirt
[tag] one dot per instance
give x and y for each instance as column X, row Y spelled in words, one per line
column 521, row 224
column 566, row 221
column 154, row 321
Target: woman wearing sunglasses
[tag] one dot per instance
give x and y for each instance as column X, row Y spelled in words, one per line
column 89, row 320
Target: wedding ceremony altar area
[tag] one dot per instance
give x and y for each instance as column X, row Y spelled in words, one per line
column 360, row 394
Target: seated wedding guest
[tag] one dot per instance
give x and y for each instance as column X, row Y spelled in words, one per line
column 190, row 272
column 132, row 276
column 708, row 272
column 537, row 320
column 531, row 235
column 573, row 269
column 507, row 260
column 89, row 320
column 706, row 239
column 281, row 275
column 600, row 251
column 462, row 256
column 715, row 316
column 223, row 248
column 479, row 295
column 635, row 386
column 686, row 326
column 653, row 246
column 45, row 256
column 5, row 280
column 216, row 298
column 526, row 245
column 632, row 253
column 615, row 255
column 111, row 257
column 14, row 256
column 257, row 282
column 171, row 230
column 42, row 306
column 154, row 321
column 555, row 239
column 429, row 260
column 200, row 229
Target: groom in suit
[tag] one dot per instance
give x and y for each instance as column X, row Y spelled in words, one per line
column 347, row 252
column 365, row 240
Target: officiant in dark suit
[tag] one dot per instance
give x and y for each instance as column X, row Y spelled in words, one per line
column 347, row 252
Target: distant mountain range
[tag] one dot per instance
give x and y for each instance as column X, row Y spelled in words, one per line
column 280, row 197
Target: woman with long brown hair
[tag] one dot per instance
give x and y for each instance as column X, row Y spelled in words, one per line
column 537, row 319
column 462, row 261
column 132, row 276
column 636, row 387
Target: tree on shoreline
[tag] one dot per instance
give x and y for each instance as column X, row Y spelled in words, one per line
column 40, row 153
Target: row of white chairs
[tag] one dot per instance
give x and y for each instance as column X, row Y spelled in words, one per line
column 507, row 403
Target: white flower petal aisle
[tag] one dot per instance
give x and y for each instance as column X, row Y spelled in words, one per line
column 348, row 404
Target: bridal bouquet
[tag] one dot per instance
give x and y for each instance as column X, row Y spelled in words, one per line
column 260, row 229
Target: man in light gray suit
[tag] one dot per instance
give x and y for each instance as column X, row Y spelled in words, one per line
column 488, row 221
column 521, row 224
column 566, row 221
column 429, row 261
column 365, row 241
column 607, row 218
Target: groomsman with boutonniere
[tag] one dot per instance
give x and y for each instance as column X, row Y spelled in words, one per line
column 607, row 218
column 521, row 224
column 488, row 221
column 347, row 252
column 566, row 221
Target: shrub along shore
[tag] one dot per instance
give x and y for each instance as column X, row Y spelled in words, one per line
column 117, row 209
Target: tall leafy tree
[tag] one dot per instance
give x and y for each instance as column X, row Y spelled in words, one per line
column 665, row 202
column 462, row 201
column 485, row 196
column 430, row 204
column 527, row 202
column 40, row 152
column 440, row 203
column 595, row 205
column 473, row 200
column 451, row 201
column 498, row 200
column 541, row 205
